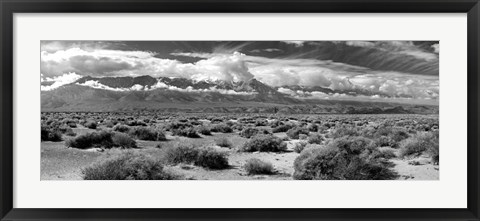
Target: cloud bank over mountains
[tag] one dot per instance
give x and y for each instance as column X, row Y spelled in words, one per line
column 386, row 70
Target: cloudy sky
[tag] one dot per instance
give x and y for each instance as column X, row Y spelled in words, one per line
column 401, row 71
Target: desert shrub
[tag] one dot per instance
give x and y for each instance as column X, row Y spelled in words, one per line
column 136, row 123
column 295, row 132
column 64, row 129
column 182, row 120
column 101, row 139
column 72, row 124
column 177, row 125
column 274, row 123
column 181, row 153
column 90, row 124
column 384, row 141
column 312, row 127
column 68, row 121
column 251, row 131
column 261, row 122
column 70, row 133
column 121, row 128
column 302, row 136
column 144, row 133
column 282, row 128
column 204, row 130
column 49, row 134
column 185, row 132
column 389, row 136
column 248, row 132
column 128, row 166
column 315, row 138
column 422, row 142
column 204, row 157
column 109, row 124
column 211, row 159
column 255, row 166
column 123, row 141
column 346, row 158
column 264, row 143
column 223, row 142
column 221, row 128
column 354, row 145
column 299, row 146
column 386, row 152
column 344, row 131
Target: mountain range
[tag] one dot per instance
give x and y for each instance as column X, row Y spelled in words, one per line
column 181, row 94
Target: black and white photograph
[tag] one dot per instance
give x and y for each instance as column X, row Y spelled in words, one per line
column 239, row 110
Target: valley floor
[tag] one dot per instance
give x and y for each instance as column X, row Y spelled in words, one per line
column 61, row 163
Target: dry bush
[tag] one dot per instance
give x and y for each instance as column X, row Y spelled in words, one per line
column 282, row 128
column 121, row 128
column 389, row 136
column 295, row 132
column 223, row 142
column 261, row 122
column 299, row 147
column 422, row 142
column 100, row 139
column 128, row 166
column 204, row 157
column 264, row 143
column 211, row 159
column 221, row 128
column 144, row 133
column 49, row 134
column 346, row 158
column 185, row 132
column 204, row 130
column 315, row 138
column 255, row 166
column 386, row 152
column 123, row 141
column 249, row 132
column 312, row 127
column 181, row 153
column 344, row 131
column 90, row 124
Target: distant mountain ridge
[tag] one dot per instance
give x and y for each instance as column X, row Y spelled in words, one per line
column 181, row 94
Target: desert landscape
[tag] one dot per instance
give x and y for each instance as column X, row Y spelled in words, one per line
column 241, row 146
column 119, row 112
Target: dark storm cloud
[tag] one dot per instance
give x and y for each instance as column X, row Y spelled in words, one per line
column 85, row 65
column 102, row 66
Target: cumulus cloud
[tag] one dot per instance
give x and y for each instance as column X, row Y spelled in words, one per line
column 59, row 81
column 97, row 85
column 162, row 85
column 360, row 43
column 222, row 64
column 338, row 77
column 227, row 67
column 296, row 43
column 299, row 94
column 267, row 50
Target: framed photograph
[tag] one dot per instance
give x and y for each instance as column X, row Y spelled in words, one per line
column 257, row 110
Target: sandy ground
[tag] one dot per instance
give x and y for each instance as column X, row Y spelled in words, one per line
column 416, row 169
column 61, row 163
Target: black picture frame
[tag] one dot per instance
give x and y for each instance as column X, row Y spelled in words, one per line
column 9, row 7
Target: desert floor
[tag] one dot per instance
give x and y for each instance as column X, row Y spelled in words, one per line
column 61, row 163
